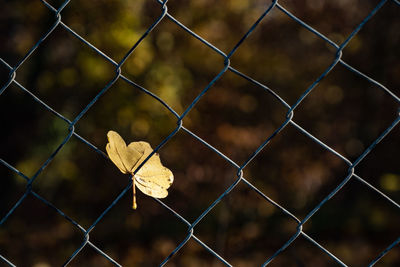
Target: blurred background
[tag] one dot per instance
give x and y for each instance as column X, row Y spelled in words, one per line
column 344, row 111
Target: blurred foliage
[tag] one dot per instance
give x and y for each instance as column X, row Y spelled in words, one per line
column 235, row 116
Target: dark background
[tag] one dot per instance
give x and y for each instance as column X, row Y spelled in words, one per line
column 344, row 111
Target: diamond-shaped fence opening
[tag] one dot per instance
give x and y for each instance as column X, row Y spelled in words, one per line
column 279, row 121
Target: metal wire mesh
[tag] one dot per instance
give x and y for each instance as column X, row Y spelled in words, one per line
column 191, row 226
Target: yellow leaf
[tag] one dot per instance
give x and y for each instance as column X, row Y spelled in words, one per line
column 152, row 178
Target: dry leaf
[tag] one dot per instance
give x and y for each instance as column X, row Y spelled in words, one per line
column 152, row 178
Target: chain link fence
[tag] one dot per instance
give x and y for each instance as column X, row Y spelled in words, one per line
column 180, row 117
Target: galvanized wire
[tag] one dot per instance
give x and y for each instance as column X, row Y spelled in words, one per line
column 290, row 109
